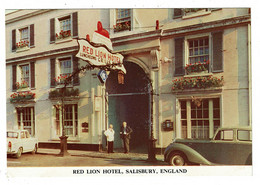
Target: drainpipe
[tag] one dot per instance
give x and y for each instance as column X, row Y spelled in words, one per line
column 249, row 75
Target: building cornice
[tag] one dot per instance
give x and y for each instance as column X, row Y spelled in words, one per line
column 42, row 54
column 213, row 25
column 25, row 16
column 172, row 32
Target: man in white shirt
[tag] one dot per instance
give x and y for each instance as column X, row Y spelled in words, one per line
column 109, row 133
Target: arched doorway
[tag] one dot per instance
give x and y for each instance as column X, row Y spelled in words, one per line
column 129, row 102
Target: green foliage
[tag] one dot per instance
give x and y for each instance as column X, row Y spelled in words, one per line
column 57, row 93
column 197, row 82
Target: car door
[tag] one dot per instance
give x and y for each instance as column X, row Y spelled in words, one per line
column 23, row 141
column 29, row 143
column 225, row 150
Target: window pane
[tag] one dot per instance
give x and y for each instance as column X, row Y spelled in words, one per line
column 193, row 113
column 216, row 113
column 183, row 114
column 244, row 135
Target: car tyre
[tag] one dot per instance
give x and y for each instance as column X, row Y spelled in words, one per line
column 35, row 149
column 178, row 159
column 19, row 153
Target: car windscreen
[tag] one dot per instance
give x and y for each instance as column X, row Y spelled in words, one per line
column 12, row 134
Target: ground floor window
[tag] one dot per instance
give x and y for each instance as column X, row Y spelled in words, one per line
column 26, row 119
column 70, row 120
column 200, row 118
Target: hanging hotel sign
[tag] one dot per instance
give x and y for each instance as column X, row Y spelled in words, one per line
column 99, row 54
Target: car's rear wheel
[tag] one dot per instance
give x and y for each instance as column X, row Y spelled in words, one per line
column 177, row 159
column 19, row 152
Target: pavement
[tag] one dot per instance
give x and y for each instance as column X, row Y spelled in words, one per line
column 102, row 154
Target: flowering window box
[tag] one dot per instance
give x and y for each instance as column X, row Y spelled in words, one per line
column 197, row 82
column 122, row 26
column 22, row 46
column 63, row 35
column 197, row 68
column 23, row 86
column 22, row 96
column 60, row 80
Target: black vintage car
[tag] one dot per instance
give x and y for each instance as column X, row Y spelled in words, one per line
column 229, row 146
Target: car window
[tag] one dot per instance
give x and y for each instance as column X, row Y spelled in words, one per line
column 244, row 135
column 224, row 135
column 22, row 135
column 12, row 134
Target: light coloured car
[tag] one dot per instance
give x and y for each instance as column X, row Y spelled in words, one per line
column 229, row 146
column 20, row 141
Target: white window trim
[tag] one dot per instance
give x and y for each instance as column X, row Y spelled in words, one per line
column 178, row 113
column 19, row 73
column 186, row 50
column 113, row 18
column 57, row 66
column 18, row 36
column 57, row 28
column 54, row 135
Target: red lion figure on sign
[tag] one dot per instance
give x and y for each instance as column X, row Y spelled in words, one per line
column 101, row 30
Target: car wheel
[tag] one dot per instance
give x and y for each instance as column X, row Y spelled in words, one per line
column 178, row 159
column 19, row 153
column 35, row 149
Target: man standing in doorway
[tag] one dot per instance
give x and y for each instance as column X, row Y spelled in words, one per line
column 109, row 133
column 125, row 132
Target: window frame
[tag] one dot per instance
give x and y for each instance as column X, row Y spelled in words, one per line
column 115, row 20
column 188, row 119
column 19, row 73
column 74, row 119
column 31, row 115
column 19, row 39
column 186, row 48
column 57, row 27
column 58, row 65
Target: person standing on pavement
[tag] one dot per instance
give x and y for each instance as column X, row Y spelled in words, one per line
column 109, row 133
column 125, row 132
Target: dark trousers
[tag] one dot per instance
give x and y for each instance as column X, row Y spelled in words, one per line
column 126, row 143
column 110, row 146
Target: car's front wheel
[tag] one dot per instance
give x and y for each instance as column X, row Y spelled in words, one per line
column 178, row 159
column 19, row 152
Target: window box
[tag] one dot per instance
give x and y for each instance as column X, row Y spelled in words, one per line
column 122, row 26
column 22, row 96
column 69, row 93
column 197, row 82
column 197, row 68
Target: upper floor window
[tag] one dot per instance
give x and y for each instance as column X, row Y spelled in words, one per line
column 24, row 34
column 64, row 27
column 180, row 12
column 62, row 68
column 198, row 50
column 65, row 23
column 25, row 74
column 199, row 53
column 23, row 38
column 123, row 20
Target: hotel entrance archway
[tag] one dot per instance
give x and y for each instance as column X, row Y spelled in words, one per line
column 129, row 102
